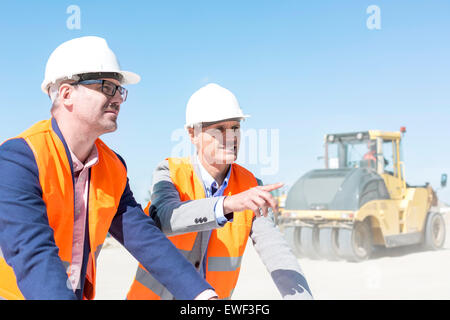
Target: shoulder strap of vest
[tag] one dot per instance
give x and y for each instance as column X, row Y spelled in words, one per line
column 184, row 178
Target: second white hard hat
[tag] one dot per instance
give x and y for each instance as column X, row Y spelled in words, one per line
column 85, row 55
column 212, row 103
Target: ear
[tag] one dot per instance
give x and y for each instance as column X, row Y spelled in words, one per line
column 192, row 135
column 66, row 94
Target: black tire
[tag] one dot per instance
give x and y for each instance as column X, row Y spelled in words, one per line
column 296, row 242
column 309, row 241
column 434, row 237
column 328, row 243
column 356, row 244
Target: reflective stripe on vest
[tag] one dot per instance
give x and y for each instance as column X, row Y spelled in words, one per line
column 106, row 186
column 224, row 263
column 226, row 245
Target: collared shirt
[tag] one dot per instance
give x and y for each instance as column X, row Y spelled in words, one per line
column 81, row 193
column 214, row 190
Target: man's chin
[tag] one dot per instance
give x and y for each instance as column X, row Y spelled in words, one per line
column 110, row 127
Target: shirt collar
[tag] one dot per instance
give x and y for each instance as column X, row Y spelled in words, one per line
column 91, row 160
column 209, row 181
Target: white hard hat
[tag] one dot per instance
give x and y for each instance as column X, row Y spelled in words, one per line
column 85, row 55
column 212, row 103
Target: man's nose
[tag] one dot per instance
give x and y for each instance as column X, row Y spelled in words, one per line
column 117, row 98
column 230, row 134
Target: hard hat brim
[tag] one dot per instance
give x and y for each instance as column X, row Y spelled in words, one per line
column 128, row 78
column 243, row 117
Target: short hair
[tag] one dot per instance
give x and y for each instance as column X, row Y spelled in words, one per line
column 53, row 93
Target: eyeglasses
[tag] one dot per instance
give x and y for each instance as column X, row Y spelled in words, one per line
column 108, row 87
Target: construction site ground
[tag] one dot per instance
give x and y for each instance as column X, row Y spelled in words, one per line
column 398, row 273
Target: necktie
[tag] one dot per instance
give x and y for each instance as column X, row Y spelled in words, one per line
column 213, row 189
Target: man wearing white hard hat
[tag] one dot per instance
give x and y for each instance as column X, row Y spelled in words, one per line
column 209, row 206
column 62, row 189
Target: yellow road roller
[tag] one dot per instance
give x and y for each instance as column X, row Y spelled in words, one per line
column 360, row 200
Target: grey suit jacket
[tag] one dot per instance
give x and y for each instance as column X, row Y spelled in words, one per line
column 176, row 217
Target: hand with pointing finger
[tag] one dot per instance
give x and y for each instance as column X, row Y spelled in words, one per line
column 258, row 199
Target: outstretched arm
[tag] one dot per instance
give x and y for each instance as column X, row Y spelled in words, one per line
column 174, row 216
column 279, row 260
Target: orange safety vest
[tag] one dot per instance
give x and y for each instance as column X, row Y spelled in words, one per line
column 226, row 245
column 107, row 183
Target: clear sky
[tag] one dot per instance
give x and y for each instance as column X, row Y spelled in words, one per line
column 301, row 68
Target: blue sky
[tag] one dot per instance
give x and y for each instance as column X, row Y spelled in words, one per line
column 304, row 68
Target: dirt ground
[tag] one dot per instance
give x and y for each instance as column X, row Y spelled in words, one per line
column 400, row 273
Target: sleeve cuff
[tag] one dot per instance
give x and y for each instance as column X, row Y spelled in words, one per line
column 218, row 211
column 206, row 295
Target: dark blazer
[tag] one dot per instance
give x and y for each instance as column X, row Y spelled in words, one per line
column 27, row 243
